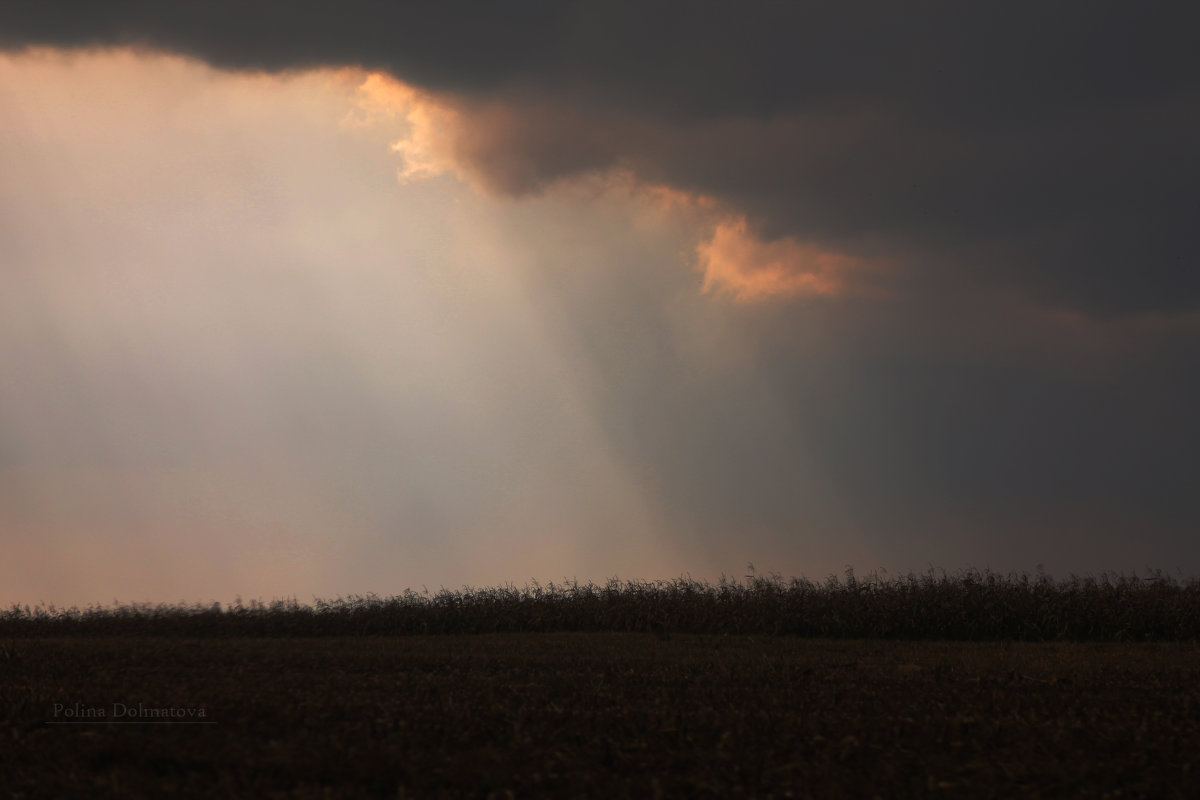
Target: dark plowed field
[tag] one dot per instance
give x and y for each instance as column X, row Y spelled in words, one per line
column 595, row 715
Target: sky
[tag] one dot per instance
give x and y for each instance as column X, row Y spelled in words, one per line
column 303, row 302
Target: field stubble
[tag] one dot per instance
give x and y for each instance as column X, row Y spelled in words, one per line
column 600, row 714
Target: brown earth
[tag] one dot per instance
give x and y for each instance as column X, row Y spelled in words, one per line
column 595, row 715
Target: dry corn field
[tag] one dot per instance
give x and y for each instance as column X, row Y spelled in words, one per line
column 201, row 702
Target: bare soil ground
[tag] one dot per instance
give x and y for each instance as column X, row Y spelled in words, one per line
column 595, row 715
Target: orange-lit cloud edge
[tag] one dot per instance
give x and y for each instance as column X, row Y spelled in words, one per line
column 442, row 134
column 733, row 260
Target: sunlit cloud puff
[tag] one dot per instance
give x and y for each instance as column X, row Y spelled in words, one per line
column 752, row 269
column 425, row 147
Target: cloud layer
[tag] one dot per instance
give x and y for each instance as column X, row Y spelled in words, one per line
column 1004, row 147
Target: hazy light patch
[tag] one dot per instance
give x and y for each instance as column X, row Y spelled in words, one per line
column 236, row 357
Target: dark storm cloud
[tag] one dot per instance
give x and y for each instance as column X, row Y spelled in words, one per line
column 1046, row 148
column 1002, row 439
column 677, row 58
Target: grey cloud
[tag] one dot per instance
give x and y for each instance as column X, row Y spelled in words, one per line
column 679, row 58
column 1043, row 148
column 913, row 434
